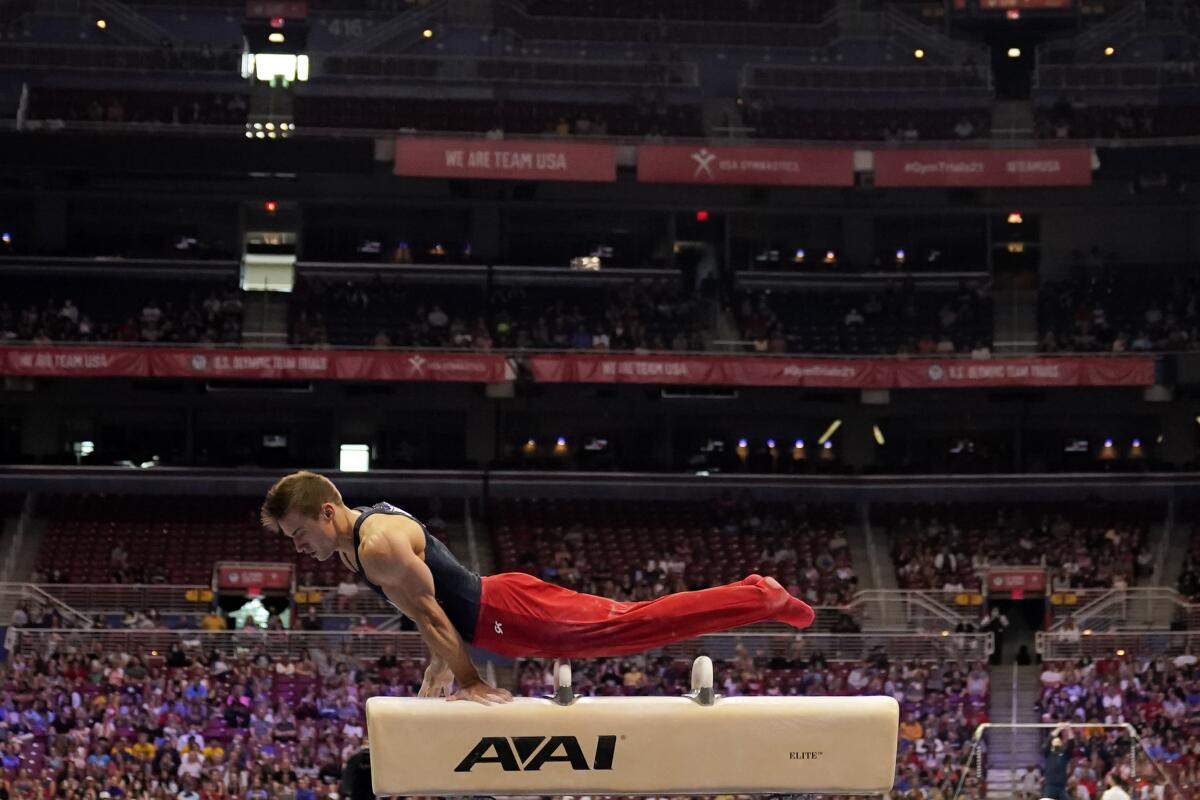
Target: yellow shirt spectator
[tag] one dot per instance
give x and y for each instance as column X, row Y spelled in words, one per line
column 213, row 621
column 144, row 751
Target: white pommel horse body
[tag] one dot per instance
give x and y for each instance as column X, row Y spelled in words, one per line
column 696, row 744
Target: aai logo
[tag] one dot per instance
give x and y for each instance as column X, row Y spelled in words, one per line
column 529, row 753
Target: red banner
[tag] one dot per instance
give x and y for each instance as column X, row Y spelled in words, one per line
column 234, row 575
column 268, row 9
column 350, row 365
column 998, row 168
column 1000, row 372
column 776, row 166
column 666, row 369
column 75, row 362
column 1004, row 5
column 550, row 160
column 861, row 373
column 1016, row 580
column 708, row 370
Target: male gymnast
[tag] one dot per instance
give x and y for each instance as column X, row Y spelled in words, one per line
column 510, row 614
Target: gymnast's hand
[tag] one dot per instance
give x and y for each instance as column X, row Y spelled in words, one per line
column 438, row 677
column 482, row 692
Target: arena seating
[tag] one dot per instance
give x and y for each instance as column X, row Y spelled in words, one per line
column 944, row 546
column 94, row 105
column 864, row 125
column 1108, row 122
column 895, row 321
column 1189, row 577
column 514, row 118
column 1158, row 696
column 117, row 308
column 177, row 726
column 1136, row 309
column 167, row 539
column 764, row 11
column 385, row 312
column 639, row 551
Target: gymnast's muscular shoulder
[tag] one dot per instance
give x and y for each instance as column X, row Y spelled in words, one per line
column 388, row 544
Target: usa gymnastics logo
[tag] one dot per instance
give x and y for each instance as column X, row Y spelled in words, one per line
column 936, row 372
column 200, row 362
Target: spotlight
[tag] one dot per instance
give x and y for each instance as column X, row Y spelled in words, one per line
column 828, row 445
column 1014, row 52
column 701, row 216
column 276, row 38
column 427, row 33
column 1015, row 218
column 1121, row 653
column 1137, row 442
column 101, row 24
column 249, row 134
column 270, row 126
column 560, row 442
column 6, row 237
column 742, row 443
column 918, row 54
column 830, row 257
column 879, row 440
column 270, row 206
column 770, row 444
column 799, row 256
column 260, row 135
column 900, row 256
column 1108, row 442
column 1110, row 51
column 799, row 445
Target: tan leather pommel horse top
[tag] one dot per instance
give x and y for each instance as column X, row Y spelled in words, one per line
column 695, row 744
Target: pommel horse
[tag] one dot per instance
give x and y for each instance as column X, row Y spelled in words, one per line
column 700, row 743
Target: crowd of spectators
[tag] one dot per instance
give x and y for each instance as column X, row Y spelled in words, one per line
column 641, row 317
column 644, row 551
column 950, row 547
column 898, row 320
column 1189, row 577
column 165, row 108
column 1159, row 696
column 940, row 703
column 215, row 317
column 187, row 725
column 1130, row 311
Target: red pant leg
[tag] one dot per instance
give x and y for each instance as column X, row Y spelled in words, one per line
column 520, row 615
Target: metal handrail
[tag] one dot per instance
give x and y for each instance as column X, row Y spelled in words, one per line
column 1090, row 615
column 833, row 646
column 1060, row 646
column 307, row 132
column 610, row 354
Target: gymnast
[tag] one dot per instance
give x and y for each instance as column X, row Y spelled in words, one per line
column 511, row 614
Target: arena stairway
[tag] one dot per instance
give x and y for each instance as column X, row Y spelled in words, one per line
column 1014, row 322
column 1013, row 120
column 266, row 318
column 1012, row 751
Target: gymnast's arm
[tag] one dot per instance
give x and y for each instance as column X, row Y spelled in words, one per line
column 389, row 558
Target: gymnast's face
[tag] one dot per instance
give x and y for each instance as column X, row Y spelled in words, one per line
column 313, row 537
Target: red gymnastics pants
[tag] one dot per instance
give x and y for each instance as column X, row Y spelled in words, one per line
column 520, row 615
